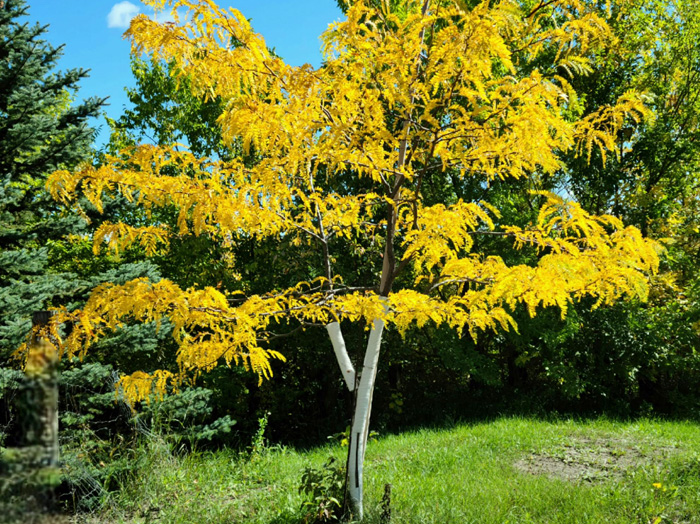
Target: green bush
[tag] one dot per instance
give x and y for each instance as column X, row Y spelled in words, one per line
column 323, row 488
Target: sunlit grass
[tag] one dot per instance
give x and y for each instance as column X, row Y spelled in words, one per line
column 507, row 471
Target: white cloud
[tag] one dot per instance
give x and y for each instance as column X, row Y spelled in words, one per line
column 121, row 14
column 163, row 17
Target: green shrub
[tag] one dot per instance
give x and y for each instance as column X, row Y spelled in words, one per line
column 323, row 488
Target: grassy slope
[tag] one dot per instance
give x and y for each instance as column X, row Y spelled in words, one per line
column 507, row 471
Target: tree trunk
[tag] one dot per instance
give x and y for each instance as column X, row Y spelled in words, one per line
column 360, row 426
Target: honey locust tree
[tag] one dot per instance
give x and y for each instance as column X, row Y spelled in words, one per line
column 431, row 93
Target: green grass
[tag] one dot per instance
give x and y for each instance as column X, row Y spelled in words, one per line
column 508, row 471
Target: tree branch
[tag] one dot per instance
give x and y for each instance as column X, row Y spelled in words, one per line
column 341, row 354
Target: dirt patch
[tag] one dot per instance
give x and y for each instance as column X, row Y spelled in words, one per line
column 591, row 460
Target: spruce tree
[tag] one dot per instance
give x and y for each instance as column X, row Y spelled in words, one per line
column 40, row 130
column 46, row 257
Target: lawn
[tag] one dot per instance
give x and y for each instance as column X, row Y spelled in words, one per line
column 510, row 470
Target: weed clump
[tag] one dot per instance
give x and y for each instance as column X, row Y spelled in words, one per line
column 323, row 488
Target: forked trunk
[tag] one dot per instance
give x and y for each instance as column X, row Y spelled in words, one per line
column 360, row 425
column 359, row 430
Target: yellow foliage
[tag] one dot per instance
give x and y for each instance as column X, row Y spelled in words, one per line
column 602, row 127
column 443, row 233
column 399, row 100
column 120, row 236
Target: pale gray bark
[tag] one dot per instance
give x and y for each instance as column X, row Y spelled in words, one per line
column 341, row 354
column 360, row 427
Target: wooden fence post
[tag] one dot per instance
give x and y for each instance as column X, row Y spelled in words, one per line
column 41, row 430
column 30, row 474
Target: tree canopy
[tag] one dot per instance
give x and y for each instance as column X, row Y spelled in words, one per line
column 398, row 100
column 368, row 155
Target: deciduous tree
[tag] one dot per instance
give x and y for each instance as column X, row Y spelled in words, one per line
column 340, row 159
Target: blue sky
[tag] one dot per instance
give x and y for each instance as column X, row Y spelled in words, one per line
column 92, row 33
